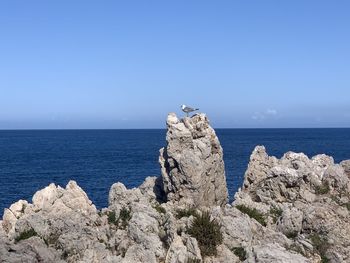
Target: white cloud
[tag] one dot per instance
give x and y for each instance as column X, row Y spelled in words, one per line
column 260, row 116
column 271, row 112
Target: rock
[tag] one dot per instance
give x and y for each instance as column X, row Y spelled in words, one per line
column 177, row 252
column 290, row 222
column 274, row 253
column 45, row 197
column 293, row 209
column 138, row 254
column 224, row 255
column 143, row 229
column 76, row 199
column 346, row 166
column 120, row 196
column 259, row 165
column 12, row 214
column 192, row 163
column 305, row 199
column 152, row 188
column 31, row 250
column 193, row 248
column 336, row 177
column 237, row 229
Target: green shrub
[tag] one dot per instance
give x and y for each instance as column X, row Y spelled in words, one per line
column 193, row 260
column 321, row 244
column 160, row 209
column 186, row 212
column 276, row 213
column 347, row 205
column 26, row 234
column 122, row 220
column 253, row 213
column 292, row 234
column 297, row 248
column 52, row 239
column 207, row 232
column 240, row 252
column 112, row 219
column 322, row 189
column 124, row 217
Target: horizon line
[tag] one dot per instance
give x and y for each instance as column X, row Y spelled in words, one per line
column 216, row 128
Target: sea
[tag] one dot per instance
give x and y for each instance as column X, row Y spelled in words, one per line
column 32, row 159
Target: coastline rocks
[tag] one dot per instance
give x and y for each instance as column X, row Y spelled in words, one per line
column 346, row 166
column 57, row 227
column 293, row 209
column 11, row 215
column 192, row 163
column 308, row 200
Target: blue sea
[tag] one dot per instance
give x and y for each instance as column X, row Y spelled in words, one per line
column 32, row 159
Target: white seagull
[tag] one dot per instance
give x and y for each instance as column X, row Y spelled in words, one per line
column 187, row 109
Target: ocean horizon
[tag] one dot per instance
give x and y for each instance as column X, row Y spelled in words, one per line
column 31, row 159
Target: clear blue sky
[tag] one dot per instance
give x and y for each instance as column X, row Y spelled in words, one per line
column 126, row 64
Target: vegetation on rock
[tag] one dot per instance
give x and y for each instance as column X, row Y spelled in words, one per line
column 347, row 205
column 276, row 213
column 240, row 253
column 253, row 213
column 207, row 232
column 193, row 260
column 186, row 212
column 322, row 189
column 112, row 218
column 160, row 209
column 124, row 217
column 26, row 234
column 122, row 220
column 320, row 243
column 292, row 234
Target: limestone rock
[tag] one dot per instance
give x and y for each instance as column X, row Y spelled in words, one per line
column 293, row 209
column 274, row 253
column 290, row 222
column 12, row 214
column 346, row 165
column 31, row 250
column 304, row 199
column 192, row 163
column 177, row 252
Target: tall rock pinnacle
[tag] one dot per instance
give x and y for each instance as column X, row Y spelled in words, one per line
column 192, row 163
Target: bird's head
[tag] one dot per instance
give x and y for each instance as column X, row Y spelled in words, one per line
column 183, row 106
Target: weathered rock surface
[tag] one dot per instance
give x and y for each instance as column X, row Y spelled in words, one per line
column 294, row 209
column 192, row 163
column 308, row 200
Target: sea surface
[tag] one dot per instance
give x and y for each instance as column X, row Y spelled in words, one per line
column 32, row 159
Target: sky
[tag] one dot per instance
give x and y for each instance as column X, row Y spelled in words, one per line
column 126, row 64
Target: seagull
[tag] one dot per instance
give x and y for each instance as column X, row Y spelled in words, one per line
column 187, row 109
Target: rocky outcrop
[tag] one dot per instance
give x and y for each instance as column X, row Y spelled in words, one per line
column 308, row 200
column 192, row 163
column 294, row 209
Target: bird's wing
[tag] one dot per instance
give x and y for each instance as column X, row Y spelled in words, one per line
column 188, row 109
